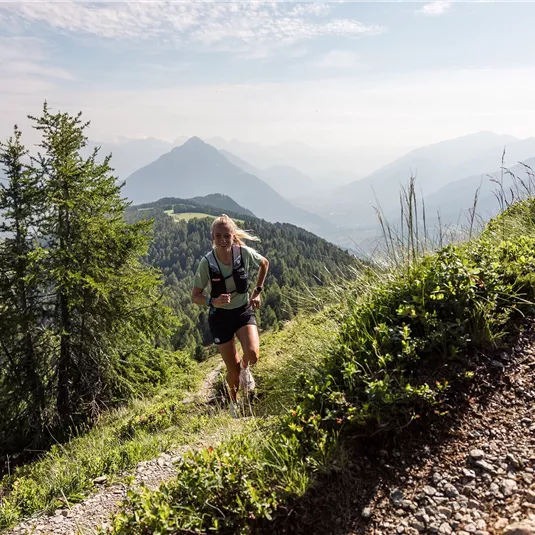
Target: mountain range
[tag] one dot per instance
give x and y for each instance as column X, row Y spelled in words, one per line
column 447, row 174
column 198, row 169
column 457, row 161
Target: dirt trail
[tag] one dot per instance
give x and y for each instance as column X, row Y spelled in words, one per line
column 84, row 517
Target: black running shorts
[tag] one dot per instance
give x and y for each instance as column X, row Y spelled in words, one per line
column 225, row 322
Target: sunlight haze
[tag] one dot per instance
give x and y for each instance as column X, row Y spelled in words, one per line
column 377, row 79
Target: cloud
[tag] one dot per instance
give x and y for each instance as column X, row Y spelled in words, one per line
column 243, row 27
column 26, row 66
column 350, row 111
column 337, row 59
column 438, row 7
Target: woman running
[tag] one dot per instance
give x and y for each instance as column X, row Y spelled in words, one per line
column 225, row 270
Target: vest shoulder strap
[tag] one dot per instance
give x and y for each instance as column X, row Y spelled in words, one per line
column 237, row 257
column 212, row 262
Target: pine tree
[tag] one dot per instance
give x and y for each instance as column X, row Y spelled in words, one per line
column 23, row 335
column 108, row 312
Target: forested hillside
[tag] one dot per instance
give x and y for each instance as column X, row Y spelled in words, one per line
column 299, row 261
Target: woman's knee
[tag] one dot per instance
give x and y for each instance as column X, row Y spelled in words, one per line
column 250, row 354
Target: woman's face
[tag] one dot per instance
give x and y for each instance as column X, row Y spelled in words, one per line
column 222, row 236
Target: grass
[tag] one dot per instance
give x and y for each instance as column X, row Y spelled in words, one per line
column 187, row 216
column 148, row 427
column 123, row 438
column 401, row 343
column 389, row 352
column 285, row 355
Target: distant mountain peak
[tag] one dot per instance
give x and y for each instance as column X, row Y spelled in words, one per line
column 195, row 142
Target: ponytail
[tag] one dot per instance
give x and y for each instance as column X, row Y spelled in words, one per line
column 238, row 233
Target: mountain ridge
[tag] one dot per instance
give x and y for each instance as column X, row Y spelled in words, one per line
column 196, row 169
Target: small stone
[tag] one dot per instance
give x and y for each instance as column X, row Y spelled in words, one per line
column 430, row 491
column 417, row 524
column 481, row 524
column 530, row 496
column 396, row 496
column 446, row 511
column 501, row 523
column 471, row 528
column 445, row 529
column 508, row 486
column 451, row 491
column 476, row 455
column 470, row 474
column 100, row 480
column 366, row 512
column 521, row 528
column 487, row 467
column 527, row 478
column 512, row 460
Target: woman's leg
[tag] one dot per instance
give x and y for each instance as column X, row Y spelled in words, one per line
column 248, row 337
column 232, row 362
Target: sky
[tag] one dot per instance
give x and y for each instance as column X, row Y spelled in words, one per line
column 380, row 76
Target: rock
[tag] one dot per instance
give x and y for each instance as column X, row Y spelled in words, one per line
column 508, row 487
column 520, row 528
column 481, row 524
column 530, row 496
column 366, row 512
column 445, row 529
column 512, row 460
column 476, row 455
column 417, row 524
column 100, row 480
column 501, row 523
column 396, row 496
column 446, row 511
column 486, row 466
column 469, row 474
column 429, row 490
column 451, row 491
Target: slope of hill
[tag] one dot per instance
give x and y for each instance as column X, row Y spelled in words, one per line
column 455, row 199
column 434, row 166
column 223, row 203
column 285, row 180
column 130, row 154
column 299, row 262
column 196, row 169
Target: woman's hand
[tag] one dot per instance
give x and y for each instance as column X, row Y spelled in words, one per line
column 223, row 299
column 255, row 300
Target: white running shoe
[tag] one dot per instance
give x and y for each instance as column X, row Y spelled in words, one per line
column 246, row 378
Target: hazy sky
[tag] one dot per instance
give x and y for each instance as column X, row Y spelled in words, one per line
column 388, row 75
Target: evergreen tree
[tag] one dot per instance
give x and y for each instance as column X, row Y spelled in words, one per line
column 24, row 382
column 108, row 310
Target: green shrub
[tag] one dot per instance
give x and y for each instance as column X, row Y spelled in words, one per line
column 400, row 348
column 223, row 489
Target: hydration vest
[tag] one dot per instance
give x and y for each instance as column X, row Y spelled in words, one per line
column 239, row 274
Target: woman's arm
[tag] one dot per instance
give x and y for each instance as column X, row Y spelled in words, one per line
column 199, row 299
column 262, row 272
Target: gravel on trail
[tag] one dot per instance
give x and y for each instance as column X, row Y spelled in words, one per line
column 85, row 517
column 479, row 482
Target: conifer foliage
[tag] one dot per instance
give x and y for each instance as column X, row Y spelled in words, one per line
column 82, row 324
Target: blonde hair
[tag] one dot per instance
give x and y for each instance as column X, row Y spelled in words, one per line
column 238, row 234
